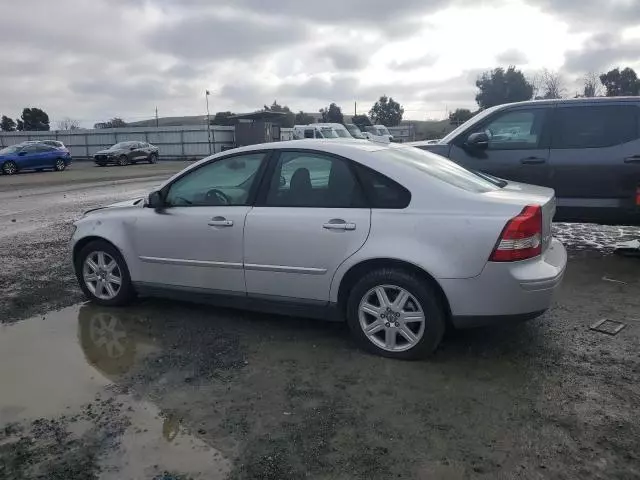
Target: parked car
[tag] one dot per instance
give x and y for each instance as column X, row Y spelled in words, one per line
column 313, row 131
column 355, row 131
column 33, row 156
column 398, row 241
column 124, row 153
column 378, row 133
column 51, row 143
column 341, row 130
column 587, row 150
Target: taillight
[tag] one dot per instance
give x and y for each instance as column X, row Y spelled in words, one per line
column 521, row 238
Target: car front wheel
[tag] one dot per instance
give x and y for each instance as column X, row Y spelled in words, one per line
column 103, row 274
column 395, row 314
column 9, row 167
column 153, row 158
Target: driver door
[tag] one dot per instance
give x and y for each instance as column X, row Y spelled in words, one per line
column 195, row 242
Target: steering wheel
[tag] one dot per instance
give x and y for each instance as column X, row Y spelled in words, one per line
column 216, row 197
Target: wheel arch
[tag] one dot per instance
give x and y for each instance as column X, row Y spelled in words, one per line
column 350, row 278
column 83, row 242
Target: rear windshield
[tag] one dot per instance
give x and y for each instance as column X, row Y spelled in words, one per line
column 439, row 167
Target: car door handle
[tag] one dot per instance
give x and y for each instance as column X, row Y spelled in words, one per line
column 632, row 159
column 339, row 224
column 220, row 222
column 533, row 160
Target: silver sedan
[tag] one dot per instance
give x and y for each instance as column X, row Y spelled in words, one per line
column 398, row 242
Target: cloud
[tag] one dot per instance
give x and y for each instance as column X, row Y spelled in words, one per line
column 601, row 52
column 426, row 60
column 213, row 37
column 512, row 56
column 344, row 57
column 590, row 14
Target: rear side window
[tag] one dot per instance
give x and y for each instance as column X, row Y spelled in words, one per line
column 438, row 167
column 594, row 126
column 381, row 191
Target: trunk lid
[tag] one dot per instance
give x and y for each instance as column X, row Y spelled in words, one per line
column 521, row 195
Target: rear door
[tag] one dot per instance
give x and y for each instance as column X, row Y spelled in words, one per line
column 311, row 216
column 595, row 160
column 518, row 147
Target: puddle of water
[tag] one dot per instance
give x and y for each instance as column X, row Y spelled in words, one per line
column 58, row 374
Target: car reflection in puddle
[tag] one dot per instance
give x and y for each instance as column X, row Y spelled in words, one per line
column 63, row 410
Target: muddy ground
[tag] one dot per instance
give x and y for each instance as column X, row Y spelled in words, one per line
column 167, row 390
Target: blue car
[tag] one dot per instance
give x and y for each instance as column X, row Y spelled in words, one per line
column 33, row 156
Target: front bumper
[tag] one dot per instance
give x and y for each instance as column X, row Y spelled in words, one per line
column 507, row 291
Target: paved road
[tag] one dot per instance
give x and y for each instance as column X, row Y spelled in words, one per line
column 203, row 392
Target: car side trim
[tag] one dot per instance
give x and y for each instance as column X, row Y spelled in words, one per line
column 285, row 269
column 190, row 263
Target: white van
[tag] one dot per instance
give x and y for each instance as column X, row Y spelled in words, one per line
column 340, row 129
column 315, row 130
column 378, row 133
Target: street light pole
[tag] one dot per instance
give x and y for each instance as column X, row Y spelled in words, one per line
column 206, row 96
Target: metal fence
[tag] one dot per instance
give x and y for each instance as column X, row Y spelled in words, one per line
column 403, row 133
column 181, row 142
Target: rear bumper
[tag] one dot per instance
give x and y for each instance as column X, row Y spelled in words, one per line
column 507, row 291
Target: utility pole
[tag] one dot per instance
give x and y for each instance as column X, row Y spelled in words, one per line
column 156, row 117
column 206, row 96
column 355, row 108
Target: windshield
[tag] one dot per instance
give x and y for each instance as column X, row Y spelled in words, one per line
column 439, row 167
column 11, row 149
column 383, row 130
column 120, row 145
column 354, row 131
column 328, row 132
column 342, row 132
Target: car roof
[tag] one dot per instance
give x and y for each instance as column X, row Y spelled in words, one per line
column 553, row 101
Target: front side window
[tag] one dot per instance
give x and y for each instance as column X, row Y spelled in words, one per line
column 307, row 179
column 224, row 182
column 594, row 126
column 515, row 129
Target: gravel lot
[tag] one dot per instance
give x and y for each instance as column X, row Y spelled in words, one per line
column 178, row 391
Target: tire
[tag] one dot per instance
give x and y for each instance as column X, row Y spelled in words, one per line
column 123, row 160
column 9, row 167
column 153, row 158
column 59, row 166
column 98, row 292
column 391, row 336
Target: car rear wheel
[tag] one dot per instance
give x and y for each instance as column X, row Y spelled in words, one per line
column 395, row 314
column 153, row 158
column 103, row 274
column 9, row 167
column 123, row 160
column 59, row 165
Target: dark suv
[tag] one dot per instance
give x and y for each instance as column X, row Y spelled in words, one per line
column 586, row 149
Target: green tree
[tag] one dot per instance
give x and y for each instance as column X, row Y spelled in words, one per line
column 460, row 116
column 502, row 86
column 386, row 111
column 621, row 82
column 304, row 118
column 361, row 121
column 7, row 124
column 287, row 120
column 332, row 114
column 115, row 122
column 35, row 119
column 222, row 118
column 19, row 125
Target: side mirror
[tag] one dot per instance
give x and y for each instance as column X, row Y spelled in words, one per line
column 132, row 148
column 22, row 154
column 479, row 140
column 155, row 200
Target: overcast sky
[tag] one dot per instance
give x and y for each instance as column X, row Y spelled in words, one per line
column 92, row 60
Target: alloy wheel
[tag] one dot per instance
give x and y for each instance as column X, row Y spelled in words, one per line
column 102, row 275
column 60, row 165
column 9, row 168
column 391, row 318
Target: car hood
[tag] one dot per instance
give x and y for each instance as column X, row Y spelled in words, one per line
column 136, row 202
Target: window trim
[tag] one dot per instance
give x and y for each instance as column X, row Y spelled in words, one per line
column 556, row 123
column 263, row 192
column 545, row 135
column 253, row 191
